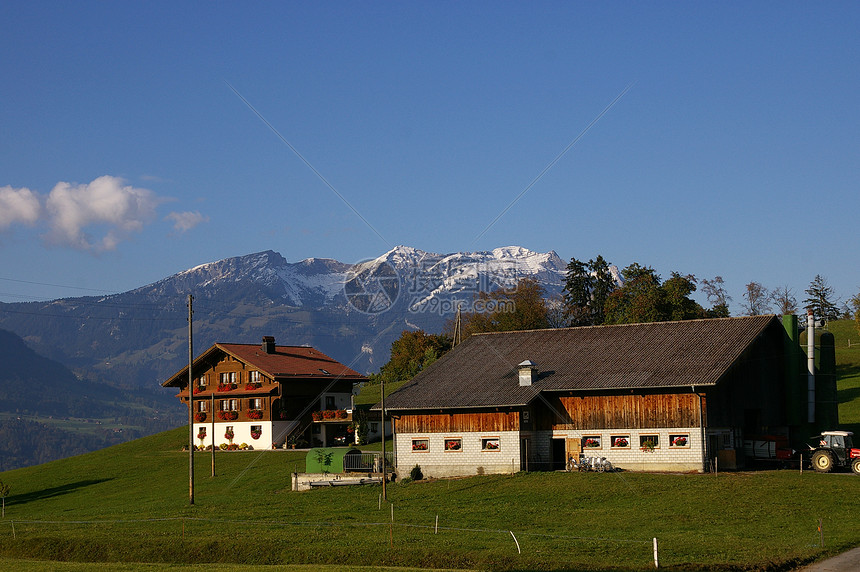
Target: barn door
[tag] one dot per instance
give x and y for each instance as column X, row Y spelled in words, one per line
column 574, row 448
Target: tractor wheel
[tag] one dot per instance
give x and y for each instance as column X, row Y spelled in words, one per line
column 822, row 461
column 855, row 466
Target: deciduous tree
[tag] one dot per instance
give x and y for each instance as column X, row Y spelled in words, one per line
column 410, row 353
column 520, row 308
column 757, row 300
column 785, row 301
column 717, row 296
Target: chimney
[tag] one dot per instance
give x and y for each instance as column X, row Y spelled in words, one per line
column 269, row 344
column 528, row 372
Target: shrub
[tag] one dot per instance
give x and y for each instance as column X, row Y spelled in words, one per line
column 415, row 474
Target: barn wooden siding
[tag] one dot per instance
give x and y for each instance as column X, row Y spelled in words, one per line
column 614, row 411
column 458, row 422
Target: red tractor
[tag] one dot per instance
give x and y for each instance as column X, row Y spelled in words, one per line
column 834, row 449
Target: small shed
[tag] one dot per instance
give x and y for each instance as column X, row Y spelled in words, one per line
column 327, row 459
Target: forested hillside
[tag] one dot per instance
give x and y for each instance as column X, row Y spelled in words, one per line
column 47, row 413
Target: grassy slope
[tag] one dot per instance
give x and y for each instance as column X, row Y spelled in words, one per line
column 246, row 514
column 848, row 370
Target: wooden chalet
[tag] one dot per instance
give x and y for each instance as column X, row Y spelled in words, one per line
column 266, row 395
column 659, row 396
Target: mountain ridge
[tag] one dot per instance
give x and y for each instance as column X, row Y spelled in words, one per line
column 353, row 312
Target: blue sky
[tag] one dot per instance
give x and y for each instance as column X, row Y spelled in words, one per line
column 126, row 155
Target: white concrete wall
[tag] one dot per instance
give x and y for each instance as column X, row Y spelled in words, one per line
column 437, row 462
column 632, row 458
column 241, row 433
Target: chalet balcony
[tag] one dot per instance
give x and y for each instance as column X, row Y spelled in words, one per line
column 332, row 416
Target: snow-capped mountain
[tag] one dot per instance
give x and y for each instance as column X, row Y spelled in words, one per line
column 352, row 312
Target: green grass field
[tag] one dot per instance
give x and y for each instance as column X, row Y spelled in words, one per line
column 129, row 504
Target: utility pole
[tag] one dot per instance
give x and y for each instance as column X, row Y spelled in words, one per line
column 458, row 328
column 382, row 386
column 191, row 407
column 212, row 414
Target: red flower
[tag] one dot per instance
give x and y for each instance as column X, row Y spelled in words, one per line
column 329, row 414
column 200, row 416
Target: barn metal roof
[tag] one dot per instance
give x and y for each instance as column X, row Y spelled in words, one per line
column 482, row 371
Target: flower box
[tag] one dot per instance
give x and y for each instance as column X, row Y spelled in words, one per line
column 329, row 414
column 256, row 434
column 620, row 442
column 317, row 415
column 255, row 414
column 228, row 415
column 252, row 386
column 200, row 416
column 222, row 387
column 678, row 440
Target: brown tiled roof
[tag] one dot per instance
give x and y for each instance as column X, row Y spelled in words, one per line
column 482, row 371
column 287, row 362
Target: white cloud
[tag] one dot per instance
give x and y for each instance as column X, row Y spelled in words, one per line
column 185, row 221
column 18, row 206
column 117, row 209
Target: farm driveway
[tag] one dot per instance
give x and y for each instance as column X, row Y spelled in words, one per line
column 845, row 562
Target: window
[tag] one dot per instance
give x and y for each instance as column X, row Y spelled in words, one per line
column 679, row 441
column 202, row 406
column 420, row 444
column 254, row 377
column 453, row 444
column 256, row 431
column 490, row 444
column 255, row 403
column 619, row 442
column 374, row 427
column 329, row 402
column 224, row 405
column 649, row 442
column 591, row 442
column 234, row 405
column 201, row 381
column 228, row 377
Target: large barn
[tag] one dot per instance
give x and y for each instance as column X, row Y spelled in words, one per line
column 662, row 396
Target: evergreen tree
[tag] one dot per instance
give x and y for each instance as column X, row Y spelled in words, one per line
column 820, row 299
column 577, row 293
column 586, row 289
